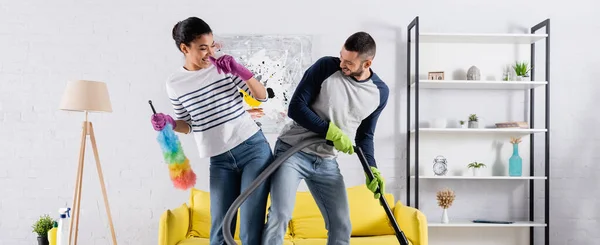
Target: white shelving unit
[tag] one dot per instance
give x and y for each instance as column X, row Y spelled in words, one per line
column 511, row 131
column 466, row 84
column 416, row 83
column 482, row 38
column 469, row 223
column 481, row 177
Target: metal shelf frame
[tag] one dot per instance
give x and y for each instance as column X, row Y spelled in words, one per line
column 414, row 39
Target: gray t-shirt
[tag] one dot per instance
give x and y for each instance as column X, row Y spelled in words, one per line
column 325, row 94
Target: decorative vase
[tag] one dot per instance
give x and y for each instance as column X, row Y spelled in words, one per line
column 515, row 167
column 523, row 78
column 506, row 74
column 473, row 73
column 473, row 124
column 43, row 241
column 445, row 219
column 440, row 123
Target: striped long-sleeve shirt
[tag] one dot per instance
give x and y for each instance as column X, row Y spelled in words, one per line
column 211, row 104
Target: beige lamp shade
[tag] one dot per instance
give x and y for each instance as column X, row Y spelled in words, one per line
column 83, row 95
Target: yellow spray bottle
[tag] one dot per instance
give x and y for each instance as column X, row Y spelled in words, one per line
column 52, row 233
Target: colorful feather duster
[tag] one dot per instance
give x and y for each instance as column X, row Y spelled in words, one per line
column 180, row 171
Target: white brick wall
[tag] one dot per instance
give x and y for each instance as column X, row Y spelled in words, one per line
column 127, row 44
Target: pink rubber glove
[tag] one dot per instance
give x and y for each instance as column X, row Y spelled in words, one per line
column 227, row 64
column 159, row 121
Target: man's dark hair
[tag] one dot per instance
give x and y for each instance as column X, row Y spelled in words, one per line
column 189, row 29
column 362, row 43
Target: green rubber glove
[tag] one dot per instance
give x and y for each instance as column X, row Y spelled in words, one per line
column 340, row 140
column 378, row 181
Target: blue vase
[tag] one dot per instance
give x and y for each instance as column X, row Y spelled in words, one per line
column 515, row 166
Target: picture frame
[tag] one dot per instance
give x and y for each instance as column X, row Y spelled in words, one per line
column 435, row 75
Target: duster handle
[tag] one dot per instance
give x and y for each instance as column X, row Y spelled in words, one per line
column 151, row 106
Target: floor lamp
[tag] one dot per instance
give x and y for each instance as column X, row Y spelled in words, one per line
column 86, row 96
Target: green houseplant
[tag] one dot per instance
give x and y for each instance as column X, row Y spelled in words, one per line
column 476, row 166
column 522, row 70
column 462, row 124
column 41, row 227
column 473, row 121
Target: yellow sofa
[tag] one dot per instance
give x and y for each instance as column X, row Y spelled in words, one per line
column 190, row 224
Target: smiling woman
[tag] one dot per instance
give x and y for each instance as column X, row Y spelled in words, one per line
column 205, row 96
column 194, row 38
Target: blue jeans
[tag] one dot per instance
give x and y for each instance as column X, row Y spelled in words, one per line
column 230, row 173
column 326, row 184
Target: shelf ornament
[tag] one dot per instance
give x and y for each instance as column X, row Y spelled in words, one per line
column 445, row 199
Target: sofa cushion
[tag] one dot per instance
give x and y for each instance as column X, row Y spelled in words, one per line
column 307, row 220
column 375, row 222
column 205, row 241
column 379, row 240
column 200, row 215
column 177, row 224
column 197, row 241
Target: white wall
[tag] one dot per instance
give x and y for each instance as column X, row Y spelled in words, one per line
column 128, row 45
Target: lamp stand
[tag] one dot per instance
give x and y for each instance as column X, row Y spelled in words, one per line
column 88, row 129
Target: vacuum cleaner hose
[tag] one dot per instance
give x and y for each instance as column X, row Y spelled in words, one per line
column 230, row 215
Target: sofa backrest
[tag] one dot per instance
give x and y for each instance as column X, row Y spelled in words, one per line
column 366, row 214
column 200, row 215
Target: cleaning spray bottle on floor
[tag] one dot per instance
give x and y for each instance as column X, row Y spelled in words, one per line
column 52, row 233
column 63, row 227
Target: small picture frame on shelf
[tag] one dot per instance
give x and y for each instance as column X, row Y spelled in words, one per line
column 523, row 125
column 435, row 75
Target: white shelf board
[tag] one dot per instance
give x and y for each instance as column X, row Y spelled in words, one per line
column 482, row 177
column 483, row 38
column 471, row 84
column 480, row 130
column 472, row 224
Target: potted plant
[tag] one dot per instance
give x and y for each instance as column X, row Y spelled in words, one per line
column 462, row 124
column 476, row 166
column 522, row 71
column 473, row 121
column 41, row 227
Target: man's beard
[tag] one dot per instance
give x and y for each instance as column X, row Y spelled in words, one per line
column 357, row 73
